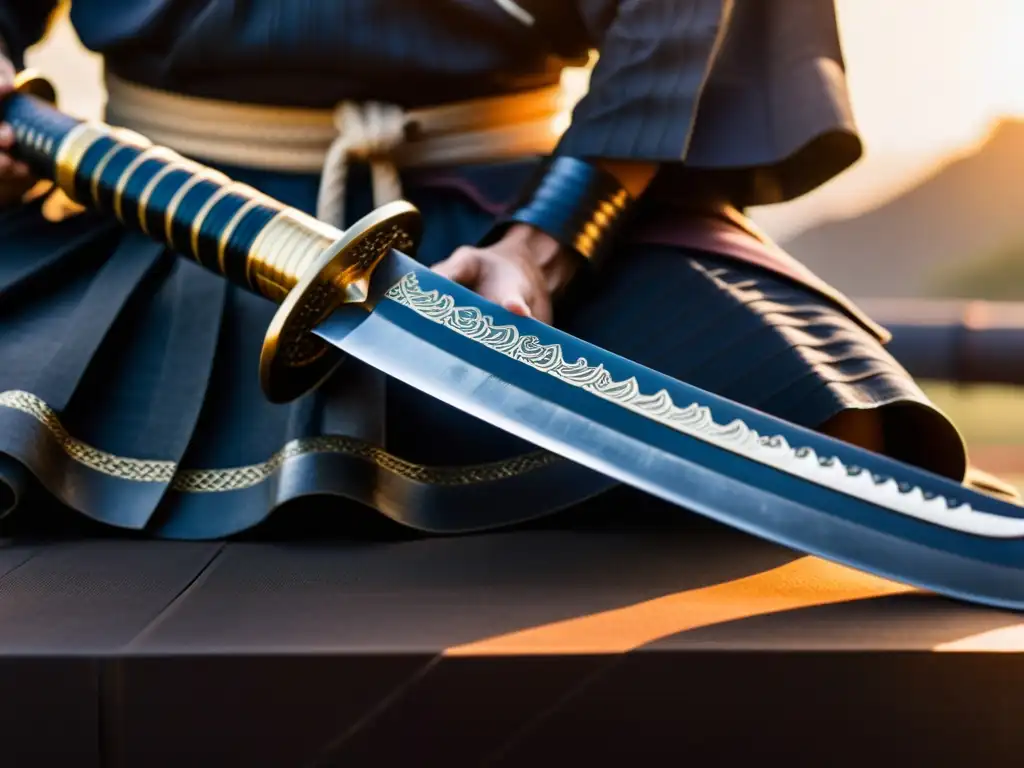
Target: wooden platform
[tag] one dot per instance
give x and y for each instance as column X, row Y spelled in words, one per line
column 669, row 644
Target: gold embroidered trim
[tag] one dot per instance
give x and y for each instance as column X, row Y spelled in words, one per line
column 697, row 421
column 239, row 478
column 139, row 470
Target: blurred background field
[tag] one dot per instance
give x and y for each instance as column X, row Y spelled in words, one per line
column 992, row 421
column 936, row 206
column 987, row 415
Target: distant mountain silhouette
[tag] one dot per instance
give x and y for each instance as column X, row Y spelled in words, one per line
column 965, row 209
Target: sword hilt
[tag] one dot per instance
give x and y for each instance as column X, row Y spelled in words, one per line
column 306, row 266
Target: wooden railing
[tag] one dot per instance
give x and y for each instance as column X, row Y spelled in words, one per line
column 969, row 342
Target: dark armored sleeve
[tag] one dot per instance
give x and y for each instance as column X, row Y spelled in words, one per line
column 22, row 23
column 654, row 60
column 749, row 94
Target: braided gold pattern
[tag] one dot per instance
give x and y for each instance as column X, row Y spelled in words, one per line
column 237, row 478
column 240, row 478
column 137, row 470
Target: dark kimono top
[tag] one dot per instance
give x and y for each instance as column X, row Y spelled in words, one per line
column 741, row 100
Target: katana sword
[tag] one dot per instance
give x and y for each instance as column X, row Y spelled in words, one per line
column 356, row 293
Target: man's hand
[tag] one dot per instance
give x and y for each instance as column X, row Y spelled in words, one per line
column 526, row 268
column 521, row 272
column 15, row 178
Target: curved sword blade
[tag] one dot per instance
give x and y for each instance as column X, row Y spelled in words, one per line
column 729, row 462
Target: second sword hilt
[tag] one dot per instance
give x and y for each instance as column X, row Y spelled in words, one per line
column 306, row 266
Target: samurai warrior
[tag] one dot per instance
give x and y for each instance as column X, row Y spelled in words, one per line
column 128, row 391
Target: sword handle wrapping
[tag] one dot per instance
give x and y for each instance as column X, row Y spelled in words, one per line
column 306, row 266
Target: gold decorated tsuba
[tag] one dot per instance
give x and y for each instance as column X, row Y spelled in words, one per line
column 294, row 361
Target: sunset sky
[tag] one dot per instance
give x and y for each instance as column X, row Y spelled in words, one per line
column 930, row 74
column 928, row 77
